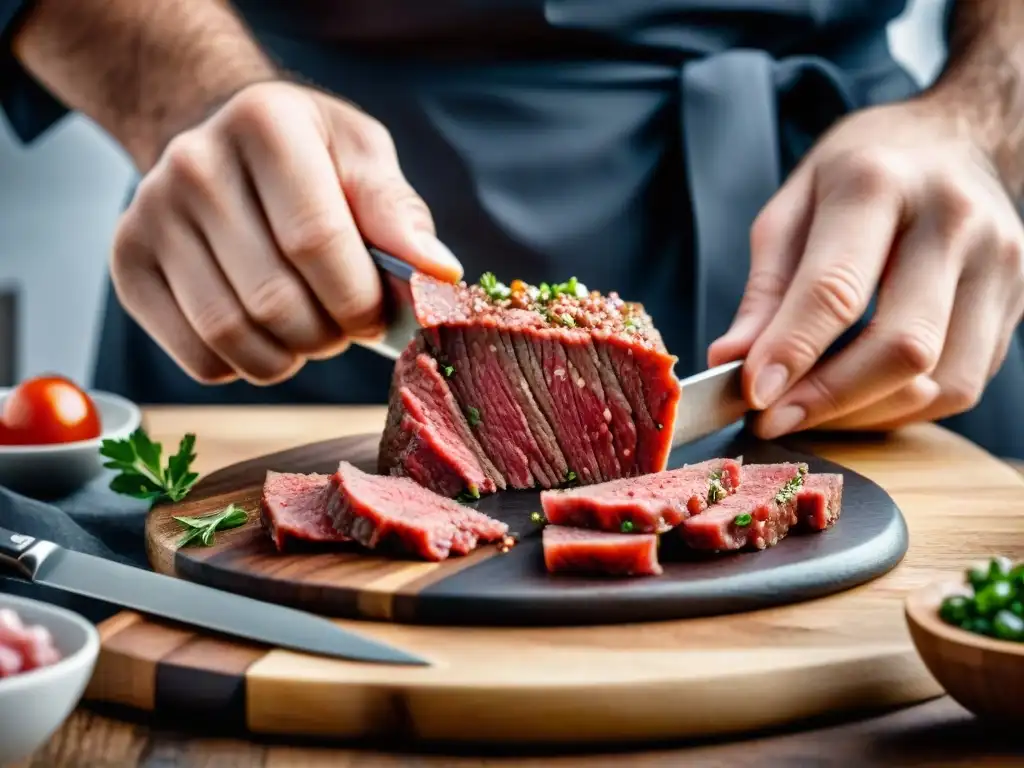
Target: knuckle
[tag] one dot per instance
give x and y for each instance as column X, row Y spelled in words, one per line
column 251, row 108
column 955, row 211
column 394, row 197
column 208, row 369
column 915, row 350
column 189, row 161
column 359, row 306
column 766, row 284
column 310, row 238
column 273, row 300
column 274, row 373
column 369, row 136
column 826, row 397
column 960, row 395
column 1010, row 256
column 220, row 325
column 860, row 175
column 840, row 293
column 766, row 231
column 798, row 348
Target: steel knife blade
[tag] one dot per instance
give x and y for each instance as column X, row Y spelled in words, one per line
column 711, row 400
column 44, row 562
column 401, row 320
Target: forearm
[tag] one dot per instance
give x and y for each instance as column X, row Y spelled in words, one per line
column 983, row 83
column 141, row 70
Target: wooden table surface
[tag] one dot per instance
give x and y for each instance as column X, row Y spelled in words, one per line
column 932, row 734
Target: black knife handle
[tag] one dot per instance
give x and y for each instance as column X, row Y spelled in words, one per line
column 22, row 554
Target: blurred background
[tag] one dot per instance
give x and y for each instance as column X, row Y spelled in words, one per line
column 61, row 197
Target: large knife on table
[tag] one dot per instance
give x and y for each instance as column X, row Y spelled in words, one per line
column 711, row 400
column 43, row 562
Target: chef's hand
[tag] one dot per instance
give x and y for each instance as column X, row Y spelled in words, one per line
column 895, row 199
column 242, row 253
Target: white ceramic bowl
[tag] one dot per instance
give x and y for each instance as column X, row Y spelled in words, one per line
column 52, row 471
column 34, row 704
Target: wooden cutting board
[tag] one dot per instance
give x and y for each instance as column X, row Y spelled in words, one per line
column 845, row 653
column 512, row 587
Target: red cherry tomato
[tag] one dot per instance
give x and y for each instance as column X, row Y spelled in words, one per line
column 46, row 410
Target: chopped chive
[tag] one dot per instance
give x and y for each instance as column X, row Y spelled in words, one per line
column 567, row 320
column 473, row 416
column 627, row 526
column 570, row 476
column 743, row 520
column 448, row 371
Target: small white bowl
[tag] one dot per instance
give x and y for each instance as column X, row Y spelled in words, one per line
column 34, row 704
column 55, row 470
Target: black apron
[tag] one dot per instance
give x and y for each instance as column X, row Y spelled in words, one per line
column 628, row 142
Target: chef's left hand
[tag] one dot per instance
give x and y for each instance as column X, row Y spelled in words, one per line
column 897, row 199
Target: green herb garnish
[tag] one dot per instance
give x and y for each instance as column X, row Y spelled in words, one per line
column 448, row 371
column 142, row 474
column 789, row 490
column 494, row 289
column 743, row 520
column 204, row 528
column 537, row 518
column 570, row 476
column 473, row 416
column 567, row 320
column 630, row 325
column 716, row 491
column 471, row 494
column 627, row 526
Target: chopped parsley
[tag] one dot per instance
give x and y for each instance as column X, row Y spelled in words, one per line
column 630, row 325
column 716, row 491
column 537, row 518
column 789, row 490
column 494, row 289
column 472, row 493
column 567, row 320
column 473, row 416
column 743, row 520
column 570, row 476
column 627, row 526
column 448, row 371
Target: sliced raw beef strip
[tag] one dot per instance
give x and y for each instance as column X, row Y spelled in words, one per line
column 294, row 508
column 554, row 383
column 757, row 516
column 378, row 510
column 646, row 504
column 24, row 647
column 427, row 438
column 819, row 502
column 577, row 550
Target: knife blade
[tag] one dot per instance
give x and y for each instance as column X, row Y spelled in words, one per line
column 402, row 325
column 44, row 562
column 711, row 400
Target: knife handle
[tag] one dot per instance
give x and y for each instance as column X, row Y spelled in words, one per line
column 22, row 554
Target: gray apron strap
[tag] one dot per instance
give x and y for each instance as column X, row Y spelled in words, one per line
column 733, row 142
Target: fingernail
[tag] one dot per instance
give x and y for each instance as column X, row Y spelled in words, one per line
column 779, row 422
column 438, row 253
column 769, row 385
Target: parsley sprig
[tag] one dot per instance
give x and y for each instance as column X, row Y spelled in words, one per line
column 142, row 473
column 203, row 528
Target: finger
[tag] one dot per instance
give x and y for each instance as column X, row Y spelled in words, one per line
column 855, row 220
column 145, row 296
column 389, row 212
column 904, row 339
column 777, row 239
column 214, row 312
column 300, row 193
column 213, row 188
column 1009, row 333
column 890, row 410
column 975, row 331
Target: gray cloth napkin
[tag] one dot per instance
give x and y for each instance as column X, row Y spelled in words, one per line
column 94, row 520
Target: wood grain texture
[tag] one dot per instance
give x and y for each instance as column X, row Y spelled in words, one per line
column 588, row 683
column 513, row 588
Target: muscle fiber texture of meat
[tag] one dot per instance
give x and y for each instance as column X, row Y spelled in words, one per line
column 819, row 502
column 294, row 508
column 579, row 550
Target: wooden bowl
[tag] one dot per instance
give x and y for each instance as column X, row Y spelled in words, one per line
column 983, row 674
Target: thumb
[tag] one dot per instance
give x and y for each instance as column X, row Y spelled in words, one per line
column 777, row 238
column 392, row 217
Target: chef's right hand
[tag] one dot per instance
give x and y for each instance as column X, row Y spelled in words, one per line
column 242, row 252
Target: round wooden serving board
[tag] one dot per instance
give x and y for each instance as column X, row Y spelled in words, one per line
column 513, row 588
column 848, row 652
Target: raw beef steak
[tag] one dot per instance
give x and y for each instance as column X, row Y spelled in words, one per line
column 378, row 510
column 757, row 516
column 819, row 502
column 647, row 504
column 540, row 385
column 294, row 507
column 578, row 550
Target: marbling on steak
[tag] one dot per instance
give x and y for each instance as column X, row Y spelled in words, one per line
column 652, row 503
column 530, row 387
column 294, row 508
column 757, row 516
column 578, row 550
column 381, row 510
column 819, row 502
